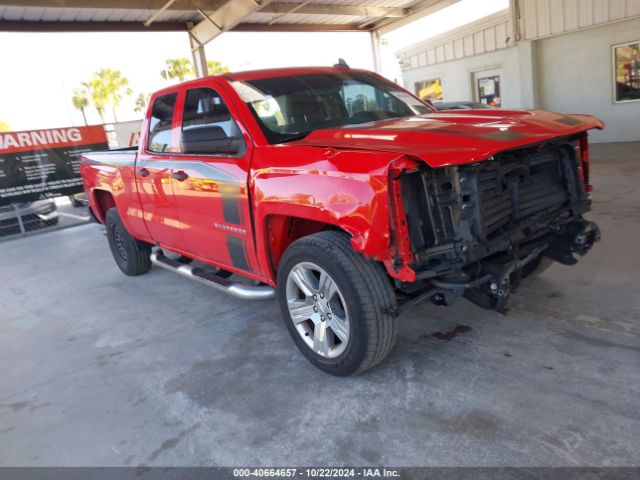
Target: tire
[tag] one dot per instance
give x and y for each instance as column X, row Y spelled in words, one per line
column 536, row 267
column 360, row 292
column 131, row 255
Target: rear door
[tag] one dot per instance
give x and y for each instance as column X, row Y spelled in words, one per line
column 212, row 190
column 153, row 173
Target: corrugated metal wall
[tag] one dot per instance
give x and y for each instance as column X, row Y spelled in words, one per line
column 486, row 35
column 538, row 19
column 544, row 18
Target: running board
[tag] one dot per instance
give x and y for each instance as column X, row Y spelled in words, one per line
column 236, row 289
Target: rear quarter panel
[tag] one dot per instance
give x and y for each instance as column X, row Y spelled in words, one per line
column 114, row 172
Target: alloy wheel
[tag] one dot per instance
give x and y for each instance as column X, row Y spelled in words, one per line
column 317, row 309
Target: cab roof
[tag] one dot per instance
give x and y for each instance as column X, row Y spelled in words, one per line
column 265, row 73
column 285, row 72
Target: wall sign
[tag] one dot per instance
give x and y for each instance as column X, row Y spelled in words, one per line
column 41, row 164
column 489, row 90
column 429, row 90
column 626, row 72
column 128, row 133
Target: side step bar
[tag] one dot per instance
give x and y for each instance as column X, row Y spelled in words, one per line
column 237, row 289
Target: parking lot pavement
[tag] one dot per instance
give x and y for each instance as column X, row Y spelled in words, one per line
column 70, row 214
column 103, row 369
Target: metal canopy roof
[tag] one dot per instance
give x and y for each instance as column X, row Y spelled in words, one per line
column 206, row 19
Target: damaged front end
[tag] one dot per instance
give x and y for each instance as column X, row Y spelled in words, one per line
column 476, row 230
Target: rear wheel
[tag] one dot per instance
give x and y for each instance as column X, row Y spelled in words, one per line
column 338, row 306
column 131, row 255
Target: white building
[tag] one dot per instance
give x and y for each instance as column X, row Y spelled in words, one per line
column 577, row 56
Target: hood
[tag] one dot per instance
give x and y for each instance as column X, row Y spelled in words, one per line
column 452, row 138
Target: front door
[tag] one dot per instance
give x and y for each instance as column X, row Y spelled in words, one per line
column 212, row 190
column 153, row 174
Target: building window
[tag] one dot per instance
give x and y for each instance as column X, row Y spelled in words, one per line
column 429, row 90
column 626, row 64
column 489, row 90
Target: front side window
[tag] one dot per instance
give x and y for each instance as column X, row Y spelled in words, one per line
column 160, row 124
column 288, row 108
column 207, row 125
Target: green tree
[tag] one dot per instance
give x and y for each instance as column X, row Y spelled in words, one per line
column 4, row 127
column 180, row 68
column 106, row 88
column 142, row 100
column 97, row 91
column 118, row 88
column 216, row 68
column 80, row 99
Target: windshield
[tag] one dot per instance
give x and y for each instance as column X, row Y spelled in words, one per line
column 289, row 108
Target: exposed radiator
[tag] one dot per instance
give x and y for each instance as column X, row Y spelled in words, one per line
column 489, row 207
column 515, row 187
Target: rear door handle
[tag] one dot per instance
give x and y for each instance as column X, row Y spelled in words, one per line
column 179, row 175
column 143, row 172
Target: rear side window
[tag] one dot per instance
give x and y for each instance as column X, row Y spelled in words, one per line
column 207, row 125
column 160, row 124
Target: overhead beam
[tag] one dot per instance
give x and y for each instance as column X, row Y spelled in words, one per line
column 415, row 12
column 346, row 10
column 224, row 19
column 157, row 13
column 298, row 27
column 156, row 6
column 44, row 27
column 151, row 5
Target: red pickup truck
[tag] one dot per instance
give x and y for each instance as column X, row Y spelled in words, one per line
column 346, row 197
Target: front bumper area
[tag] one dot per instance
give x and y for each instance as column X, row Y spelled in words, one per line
column 489, row 282
column 477, row 230
column 504, row 278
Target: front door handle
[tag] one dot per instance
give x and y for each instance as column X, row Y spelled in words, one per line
column 143, row 172
column 179, row 175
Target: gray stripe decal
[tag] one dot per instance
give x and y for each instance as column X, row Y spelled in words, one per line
column 230, row 196
column 236, row 246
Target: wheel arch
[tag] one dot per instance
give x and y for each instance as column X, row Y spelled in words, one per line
column 281, row 230
column 100, row 201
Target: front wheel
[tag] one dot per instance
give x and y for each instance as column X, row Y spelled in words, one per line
column 337, row 305
column 131, row 255
column 536, row 266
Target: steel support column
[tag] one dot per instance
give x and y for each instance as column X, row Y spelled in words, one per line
column 375, row 49
column 199, row 56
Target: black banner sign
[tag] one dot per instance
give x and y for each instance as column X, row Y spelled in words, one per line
column 42, row 164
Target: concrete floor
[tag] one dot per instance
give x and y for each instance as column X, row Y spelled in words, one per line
column 101, row 369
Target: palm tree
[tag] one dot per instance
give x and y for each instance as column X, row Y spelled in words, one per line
column 141, row 102
column 179, row 68
column 216, row 68
column 80, row 101
column 98, row 93
column 107, row 87
column 4, row 127
column 118, row 86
